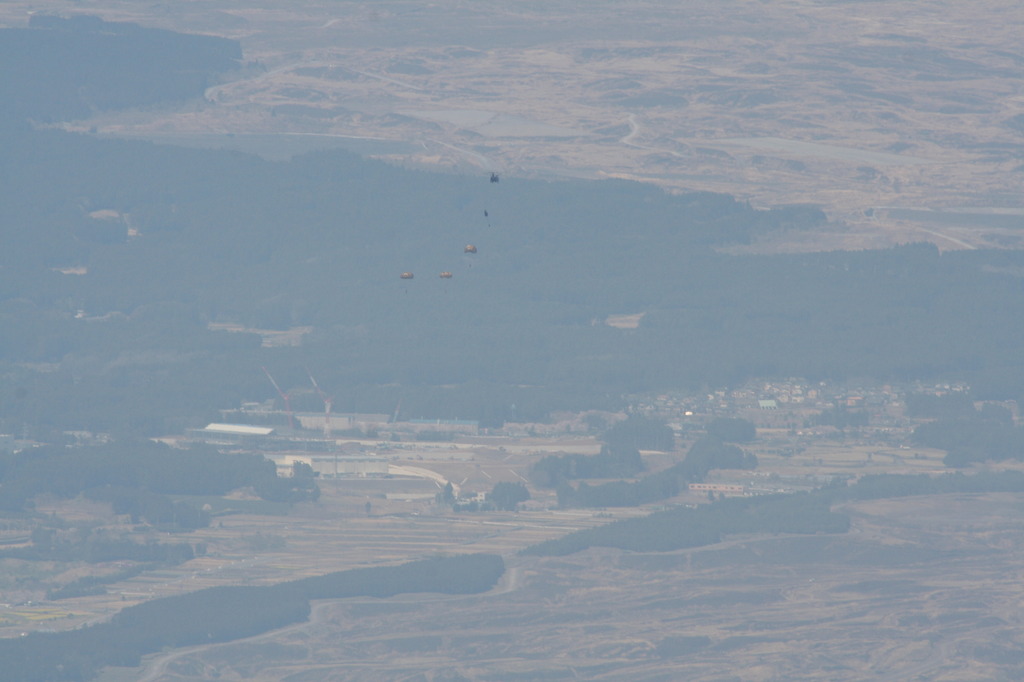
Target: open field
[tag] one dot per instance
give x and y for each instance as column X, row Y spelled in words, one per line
column 270, row 543
column 922, row 588
column 900, row 119
column 334, row 534
column 853, row 458
column 361, row 522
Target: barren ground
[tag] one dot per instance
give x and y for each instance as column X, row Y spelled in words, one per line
column 896, row 118
column 922, row 588
column 866, row 109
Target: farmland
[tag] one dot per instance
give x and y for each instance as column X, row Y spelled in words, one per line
column 356, row 522
column 900, row 121
column 921, row 586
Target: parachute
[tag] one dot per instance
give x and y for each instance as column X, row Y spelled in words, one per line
column 468, row 250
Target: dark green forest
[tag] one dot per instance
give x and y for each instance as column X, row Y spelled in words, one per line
column 706, row 454
column 683, row 527
column 138, row 478
column 173, row 239
column 60, row 69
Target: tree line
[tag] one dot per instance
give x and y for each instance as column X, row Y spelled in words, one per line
column 706, row 454
column 684, row 527
column 138, row 478
column 970, row 435
column 222, row 614
column 811, row 512
column 66, row 68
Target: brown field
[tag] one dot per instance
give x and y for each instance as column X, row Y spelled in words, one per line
column 922, row 588
column 333, row 534
column 853, row 458
column 862, row 108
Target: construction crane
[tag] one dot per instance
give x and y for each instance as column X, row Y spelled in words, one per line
column 285, row 397
column 328, row 402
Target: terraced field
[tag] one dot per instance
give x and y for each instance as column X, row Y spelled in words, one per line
column 278, row 544
column 922, row 588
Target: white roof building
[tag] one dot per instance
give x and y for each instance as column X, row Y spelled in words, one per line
column 238, row 429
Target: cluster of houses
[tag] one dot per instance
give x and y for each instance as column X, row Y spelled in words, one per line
column 791, row 403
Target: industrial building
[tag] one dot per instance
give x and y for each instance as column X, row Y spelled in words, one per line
column 334, row 466
column 720, row 488
column 233, row 434
column 462, row 427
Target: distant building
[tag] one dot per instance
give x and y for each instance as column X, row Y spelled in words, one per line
column 314, row 421
column 460, row 426
column 721, row 488
column 328, row 466
column 232, row 434
column 239, row 429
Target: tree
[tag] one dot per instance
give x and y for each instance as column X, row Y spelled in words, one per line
column 301, row 470
column 640, row 433
column 550, row 471
column 507, row 496
column 711, row 453
column 447, row 496
column 732, row 429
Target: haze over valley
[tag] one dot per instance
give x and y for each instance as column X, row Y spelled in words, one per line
column 450, row 341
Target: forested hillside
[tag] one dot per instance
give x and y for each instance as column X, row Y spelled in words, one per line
column 60, row 69
column 683, row 527
column 118, row 255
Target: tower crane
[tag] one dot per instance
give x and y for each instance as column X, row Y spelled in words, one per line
column 285, row 397
column 328, row 402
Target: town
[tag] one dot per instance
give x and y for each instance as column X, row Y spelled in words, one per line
column 807, row 434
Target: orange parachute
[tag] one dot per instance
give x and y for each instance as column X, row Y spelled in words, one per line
column 469, row 249
column 446, row 275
